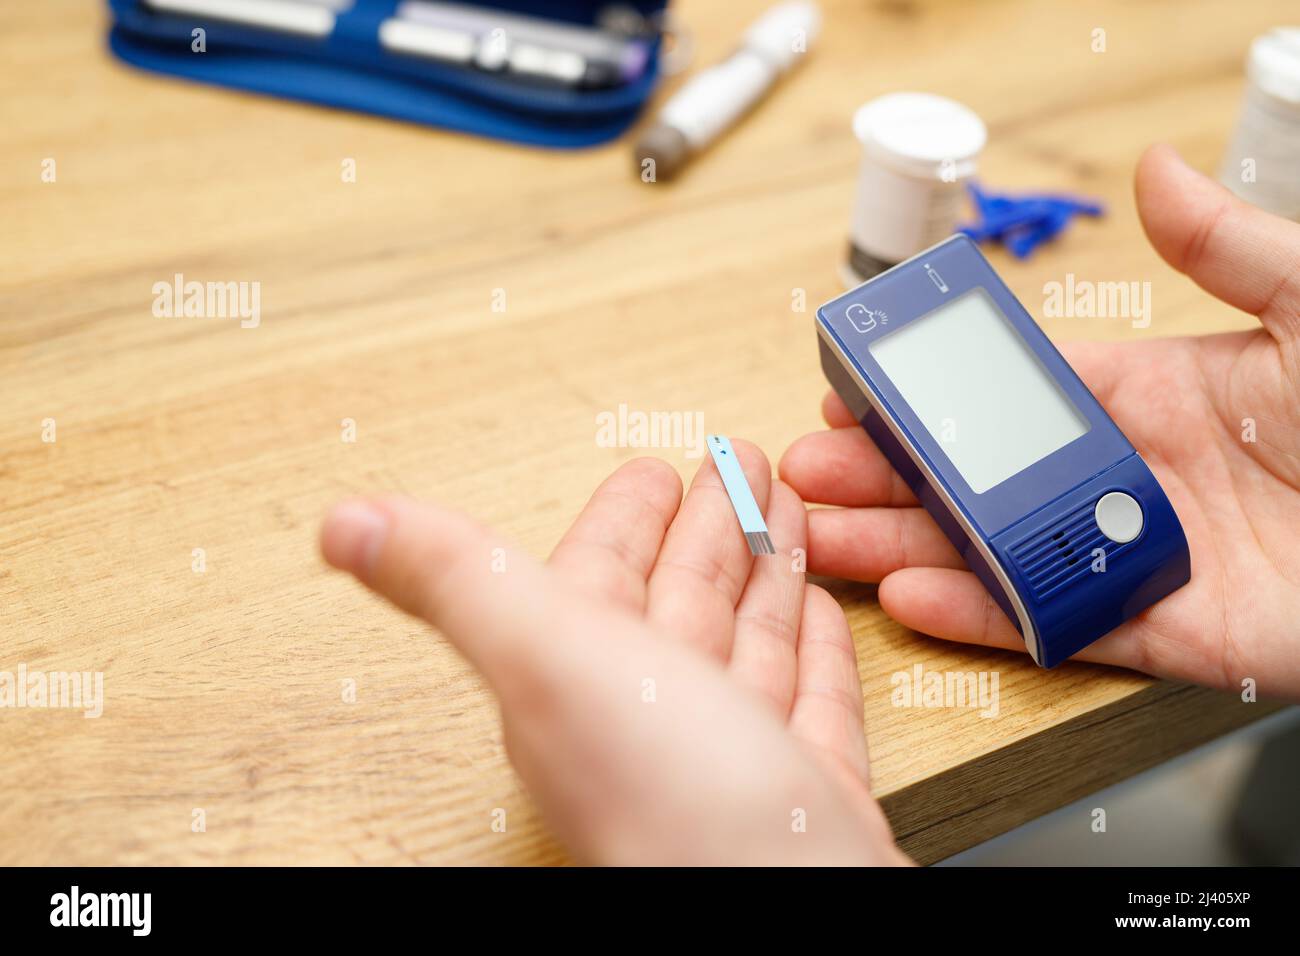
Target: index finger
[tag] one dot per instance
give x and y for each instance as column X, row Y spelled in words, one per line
column 835, row 412
column 611, row 548
column 844, row 467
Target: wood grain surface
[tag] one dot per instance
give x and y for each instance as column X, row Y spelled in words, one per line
column 225, row 690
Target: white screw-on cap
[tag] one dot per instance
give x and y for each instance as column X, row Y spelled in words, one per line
column 1274, row 63
column 918, row 133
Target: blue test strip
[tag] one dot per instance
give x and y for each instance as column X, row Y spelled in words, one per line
column 742, row 498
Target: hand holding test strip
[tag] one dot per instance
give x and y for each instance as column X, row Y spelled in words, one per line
column 652, row 657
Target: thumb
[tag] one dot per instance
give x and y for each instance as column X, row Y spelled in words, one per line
column 499, row 607
column 1233, row 250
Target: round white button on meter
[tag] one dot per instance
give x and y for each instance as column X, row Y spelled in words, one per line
column 1119, row 516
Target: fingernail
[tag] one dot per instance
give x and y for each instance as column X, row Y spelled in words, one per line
column 352, row 536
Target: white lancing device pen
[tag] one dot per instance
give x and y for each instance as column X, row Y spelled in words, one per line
column 714, row 100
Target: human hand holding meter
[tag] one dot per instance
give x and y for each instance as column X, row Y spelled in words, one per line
column 1181, row 402
column 667, row 697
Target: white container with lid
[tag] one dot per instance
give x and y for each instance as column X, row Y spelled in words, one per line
column 918, row 151
column 1262, row 164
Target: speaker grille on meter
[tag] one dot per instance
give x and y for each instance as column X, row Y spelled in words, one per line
column 1053, row 556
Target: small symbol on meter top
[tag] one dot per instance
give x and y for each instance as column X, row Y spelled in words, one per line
column 936, row 278
column 864, row 319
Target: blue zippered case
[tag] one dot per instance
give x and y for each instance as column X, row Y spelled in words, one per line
column 349, row 69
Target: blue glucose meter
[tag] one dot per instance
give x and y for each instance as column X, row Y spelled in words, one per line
column 1026, row 474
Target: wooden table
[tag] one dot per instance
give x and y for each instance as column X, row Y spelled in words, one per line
column 225, row 690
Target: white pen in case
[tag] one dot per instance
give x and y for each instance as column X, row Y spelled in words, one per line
column 712, row 101
column 531, row 48
column 313, row 18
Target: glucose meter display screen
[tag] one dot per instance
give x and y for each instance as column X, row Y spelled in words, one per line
column 978, row 389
